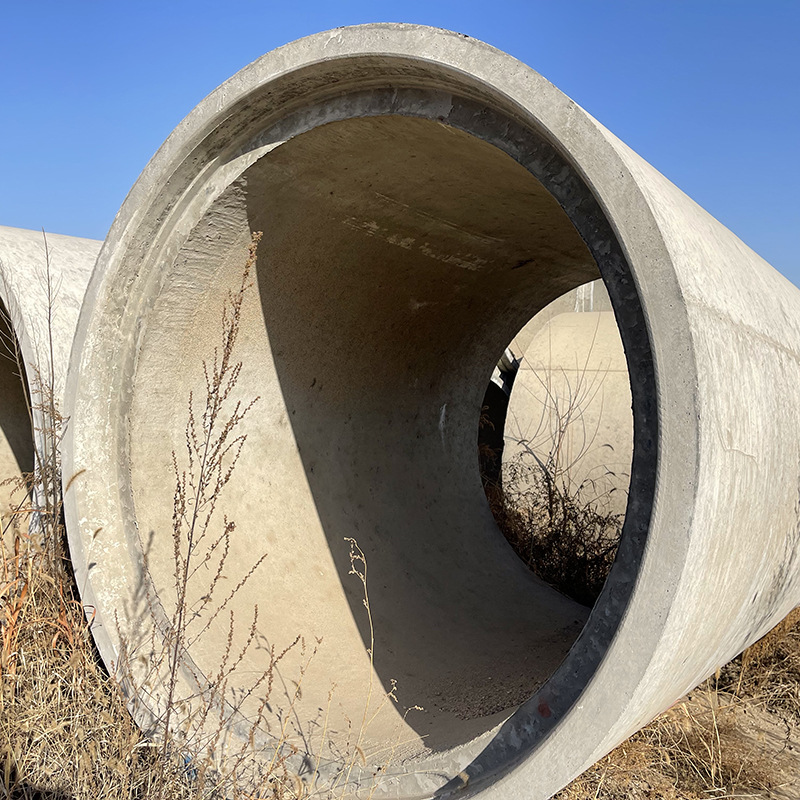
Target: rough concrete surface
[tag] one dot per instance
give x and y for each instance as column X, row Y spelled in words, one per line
column 422, row 196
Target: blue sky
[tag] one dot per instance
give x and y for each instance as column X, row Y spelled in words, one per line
column 708, row 91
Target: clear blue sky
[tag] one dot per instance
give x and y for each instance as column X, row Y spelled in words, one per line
column 708, row 91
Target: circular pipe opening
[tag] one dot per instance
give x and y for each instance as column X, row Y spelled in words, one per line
column 398, row 255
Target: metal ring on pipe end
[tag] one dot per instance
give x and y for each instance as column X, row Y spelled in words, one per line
column 421, row 196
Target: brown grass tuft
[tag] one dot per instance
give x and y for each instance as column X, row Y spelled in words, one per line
column 65, row 731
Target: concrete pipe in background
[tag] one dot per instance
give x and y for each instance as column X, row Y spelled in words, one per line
column 570, row 408
column 25, row 338
column 422, row 196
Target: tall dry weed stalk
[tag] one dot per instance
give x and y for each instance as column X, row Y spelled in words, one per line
column 190, row 722
column 190, row 713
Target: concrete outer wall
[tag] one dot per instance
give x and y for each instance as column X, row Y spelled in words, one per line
column 708, row 560
column 24, row 293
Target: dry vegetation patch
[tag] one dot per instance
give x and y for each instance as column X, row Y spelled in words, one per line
column 65, row 731
column 561, row 536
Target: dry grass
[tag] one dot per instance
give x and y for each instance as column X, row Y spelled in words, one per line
column 690, row 752
column 770, row 670
column 64, row 727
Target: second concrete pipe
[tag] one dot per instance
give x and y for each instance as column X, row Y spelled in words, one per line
column 42, row 281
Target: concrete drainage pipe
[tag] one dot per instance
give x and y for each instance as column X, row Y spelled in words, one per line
column 25, row 357
column 570, row 407
column 422, row 195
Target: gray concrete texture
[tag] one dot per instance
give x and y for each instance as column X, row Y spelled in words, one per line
column 422, row 196
column 27, row 319
column 570, row 408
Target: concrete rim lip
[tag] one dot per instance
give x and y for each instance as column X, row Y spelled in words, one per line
column 519, row 91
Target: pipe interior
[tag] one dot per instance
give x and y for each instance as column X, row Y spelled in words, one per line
column 16, row 442
column 399, row 258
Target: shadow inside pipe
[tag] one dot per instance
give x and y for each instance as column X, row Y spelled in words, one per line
column 16, row 440
column 399, row 257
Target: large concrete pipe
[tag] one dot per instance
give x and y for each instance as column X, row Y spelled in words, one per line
column 37, row 312
column 570, row 409
column 422, row 195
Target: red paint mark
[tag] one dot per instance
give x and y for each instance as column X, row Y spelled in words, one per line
column 544, row 709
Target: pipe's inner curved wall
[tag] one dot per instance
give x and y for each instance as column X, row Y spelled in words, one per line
column 16, row 440
column 399, row 257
